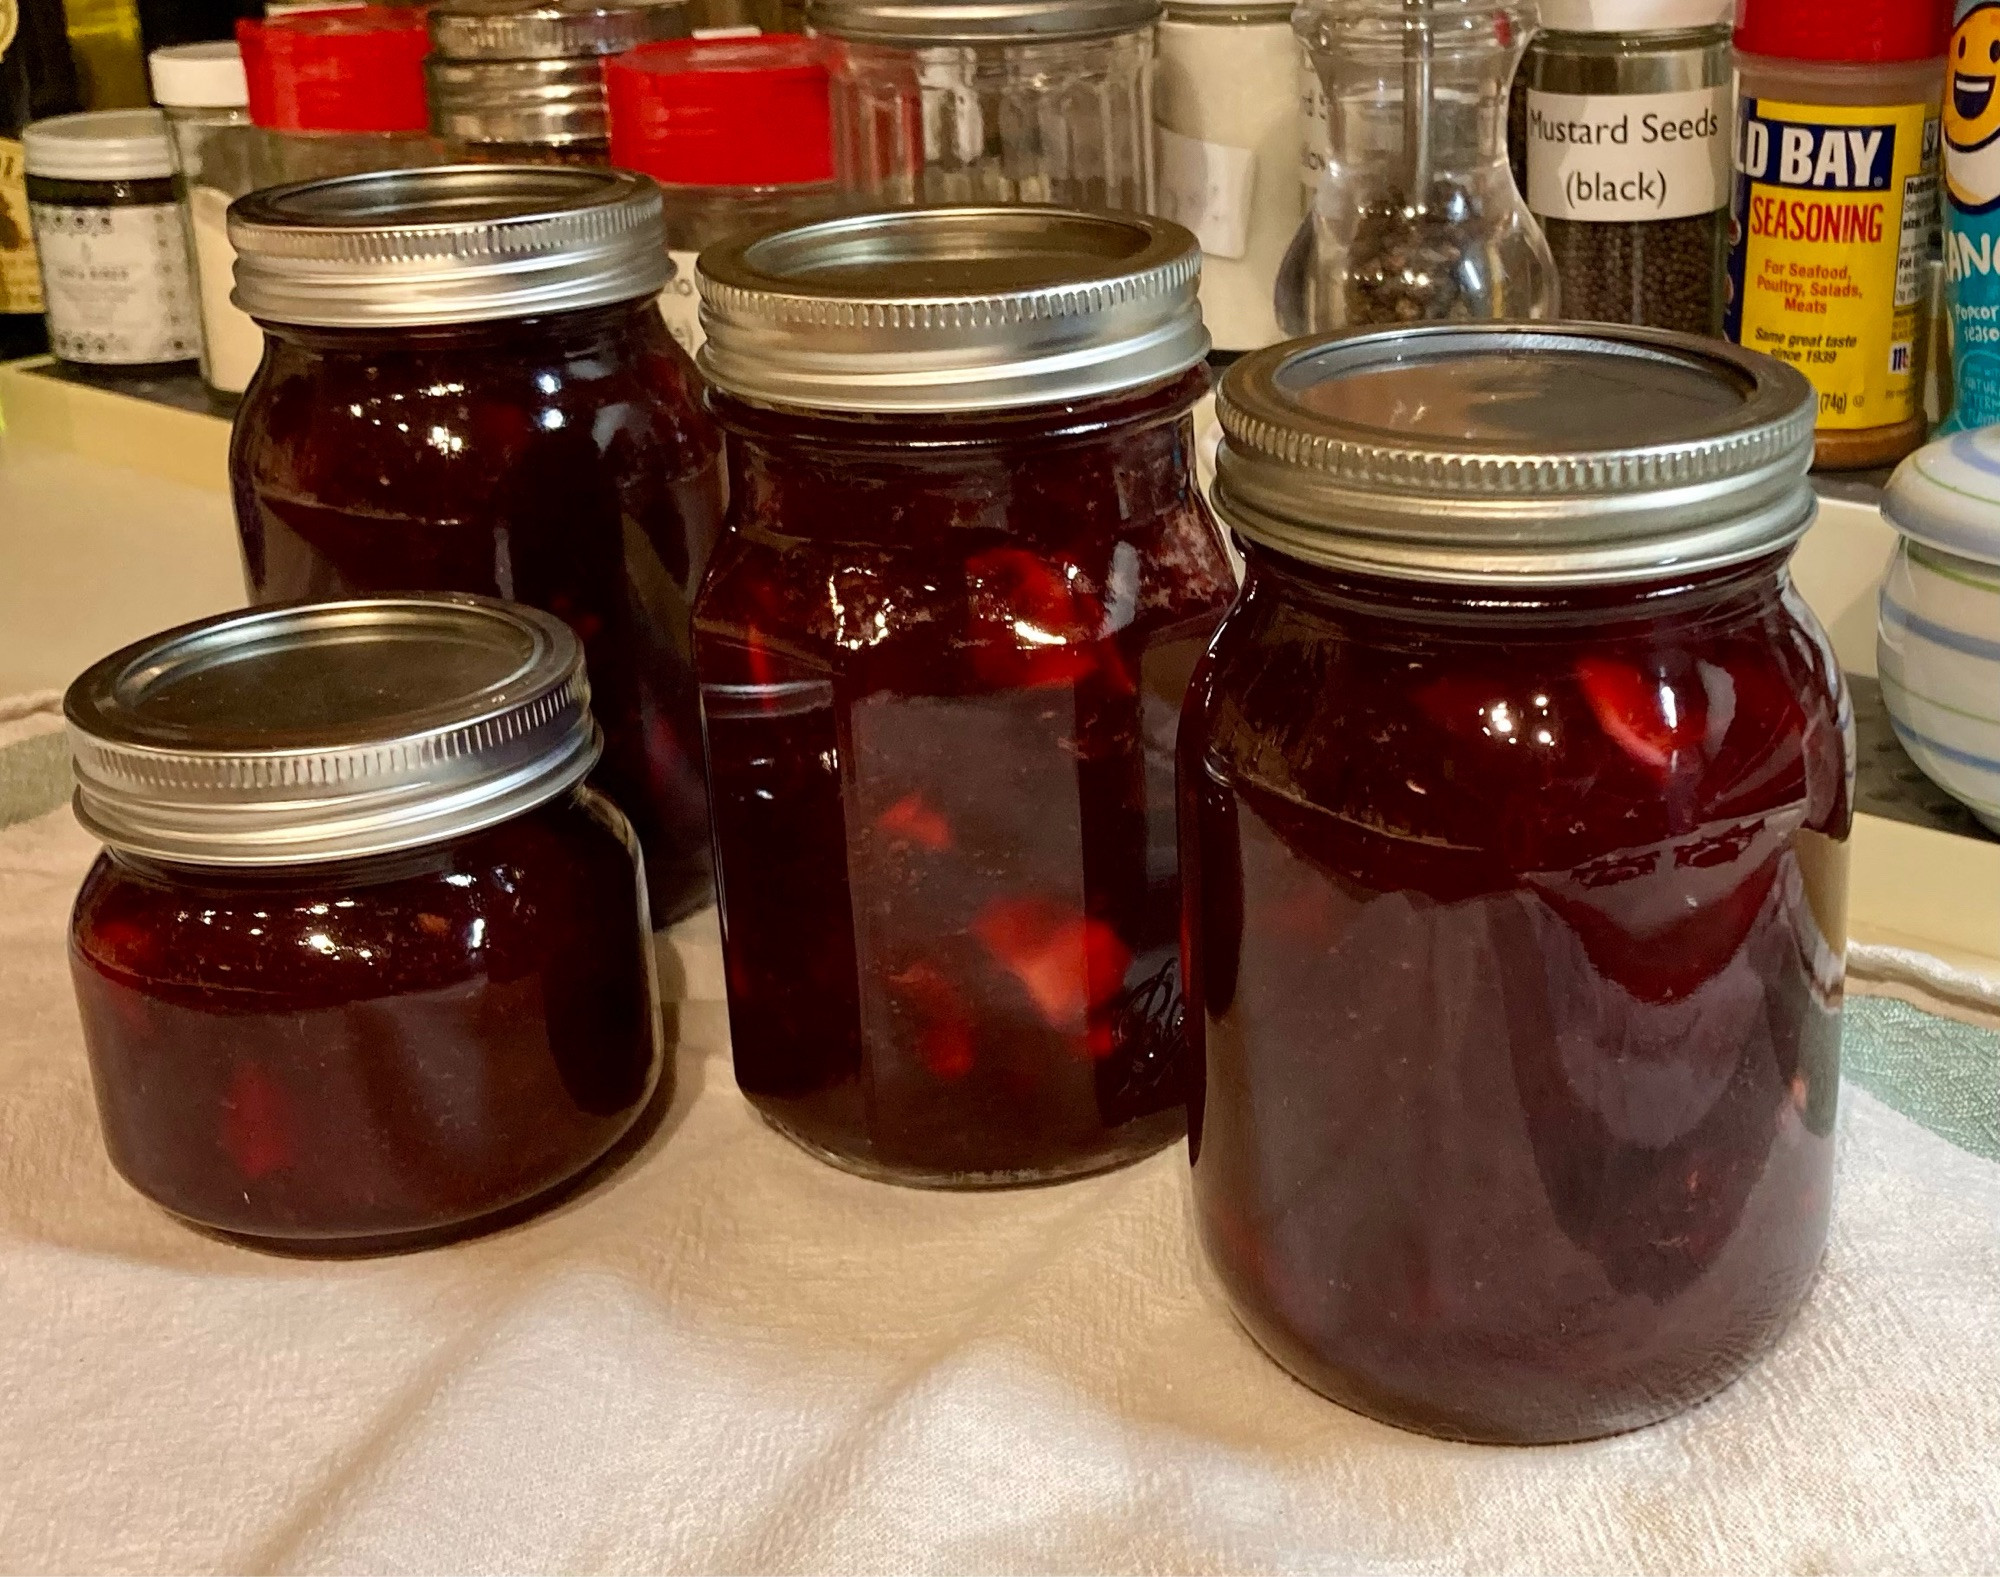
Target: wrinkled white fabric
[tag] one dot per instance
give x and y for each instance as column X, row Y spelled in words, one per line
column 730, row 1358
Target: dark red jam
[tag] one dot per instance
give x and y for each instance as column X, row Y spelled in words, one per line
column 375, row 1054
column 561, row 461
column 942, row 661
column 1516, row 928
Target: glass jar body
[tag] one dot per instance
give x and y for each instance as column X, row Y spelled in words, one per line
column 941, row 664
column 1066, row 122
column 375, row 1054
column 1633, row 95
column 115, row 280
column 1417, row 218
column 697, row 216
column 218, row 156
column 1516, row 935
column 563, row 462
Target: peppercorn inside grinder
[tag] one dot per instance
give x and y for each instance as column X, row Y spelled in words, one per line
column 1417, row 217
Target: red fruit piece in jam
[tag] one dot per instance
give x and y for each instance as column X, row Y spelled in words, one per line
column 913, row 820
column 1067, row 962
column 945, row 1040
column 256, row 1127
column 1032, row 627
column 1644, row 715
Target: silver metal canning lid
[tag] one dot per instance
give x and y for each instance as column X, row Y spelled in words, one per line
column 951, row 309
column 451, row 244
column 329, row 731
column 551, row 29
column 528, row 101
column 1538, row 454
column 920, row 22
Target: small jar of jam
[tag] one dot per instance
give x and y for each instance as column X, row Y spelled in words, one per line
column 467, row 386
column 364, row 964
column 942, row 648
column 1516, row 793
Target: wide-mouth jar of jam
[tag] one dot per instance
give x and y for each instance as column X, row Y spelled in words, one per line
column 942, row 647
column 1515, row 794
column 364, row 964
column 467, row 386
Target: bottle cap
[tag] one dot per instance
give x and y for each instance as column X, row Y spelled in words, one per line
column 979, row 21
column 359, row 69
column 329, row 731
column 1571, row 454
column 200, row 76
column 551, row 29
column 470, row 243
column 723, row 111
column 1634, row 16
column 951, row 309
column 1856, row 32
column 99, row 145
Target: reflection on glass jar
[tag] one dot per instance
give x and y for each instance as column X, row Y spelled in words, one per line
column 1516, row 801
column 942, row 650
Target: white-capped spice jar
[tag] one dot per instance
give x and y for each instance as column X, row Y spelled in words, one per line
column 114, row 260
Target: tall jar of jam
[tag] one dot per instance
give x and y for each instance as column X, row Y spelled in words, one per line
column 516, row 83
column 364, row 964
column 1515, row 800
column 467, row 386
column 942, row 648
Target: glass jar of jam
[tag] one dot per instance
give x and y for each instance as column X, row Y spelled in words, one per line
column 467, row 386
column 942, row 647
column 1515, row 792
column 364, row 965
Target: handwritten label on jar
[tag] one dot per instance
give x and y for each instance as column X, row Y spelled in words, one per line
column 680, row 303
column 1207, row 187
column 1831, row 222
column 117, row 286
column 1623, row 158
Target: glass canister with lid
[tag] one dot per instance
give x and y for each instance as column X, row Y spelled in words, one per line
column 525, row 83
column 364, row 965
column 1515, row 801
column 1417, row 218
column 942, row 649
column 467, row 387
column 1002, row 101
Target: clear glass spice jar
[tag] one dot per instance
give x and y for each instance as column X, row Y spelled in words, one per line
column 942, row 649
column 467, row 387
column 1007, row 101
column 218, row 156
column 736, row 131
column 524, row 84
column 1417, row 217
column 1621, row 138
column 364, row 966
column 1515, row 799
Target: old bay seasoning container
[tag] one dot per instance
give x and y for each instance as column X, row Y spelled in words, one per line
column 1515, row 798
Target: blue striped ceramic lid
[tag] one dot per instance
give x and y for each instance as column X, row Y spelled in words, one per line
column 1947, row 495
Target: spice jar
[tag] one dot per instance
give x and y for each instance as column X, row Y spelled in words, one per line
column 467, row 387
column 525, row 84
column 115, row 278
column 1834, row 218
column 341, row 91
column 218, row 155
column 736, row 132
column 1621, row 139
column 1417, row 217
column 942, row 649
column 363, row 965
column 1231, row 135
column 1007, row 101
column 1517, row 786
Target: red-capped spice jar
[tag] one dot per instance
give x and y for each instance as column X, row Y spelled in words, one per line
column 1515, row 797
column 737, row 133
column 942, row 647
column 466, row 387
column 340, row 92
column 364, row 964
column 522, row 83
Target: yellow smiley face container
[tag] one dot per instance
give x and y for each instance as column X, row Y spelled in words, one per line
column 1972, row 213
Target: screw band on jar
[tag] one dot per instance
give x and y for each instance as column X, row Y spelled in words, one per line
column 1395, row 454
column 1048, row 305
column 457, row 244
column 329, row 731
